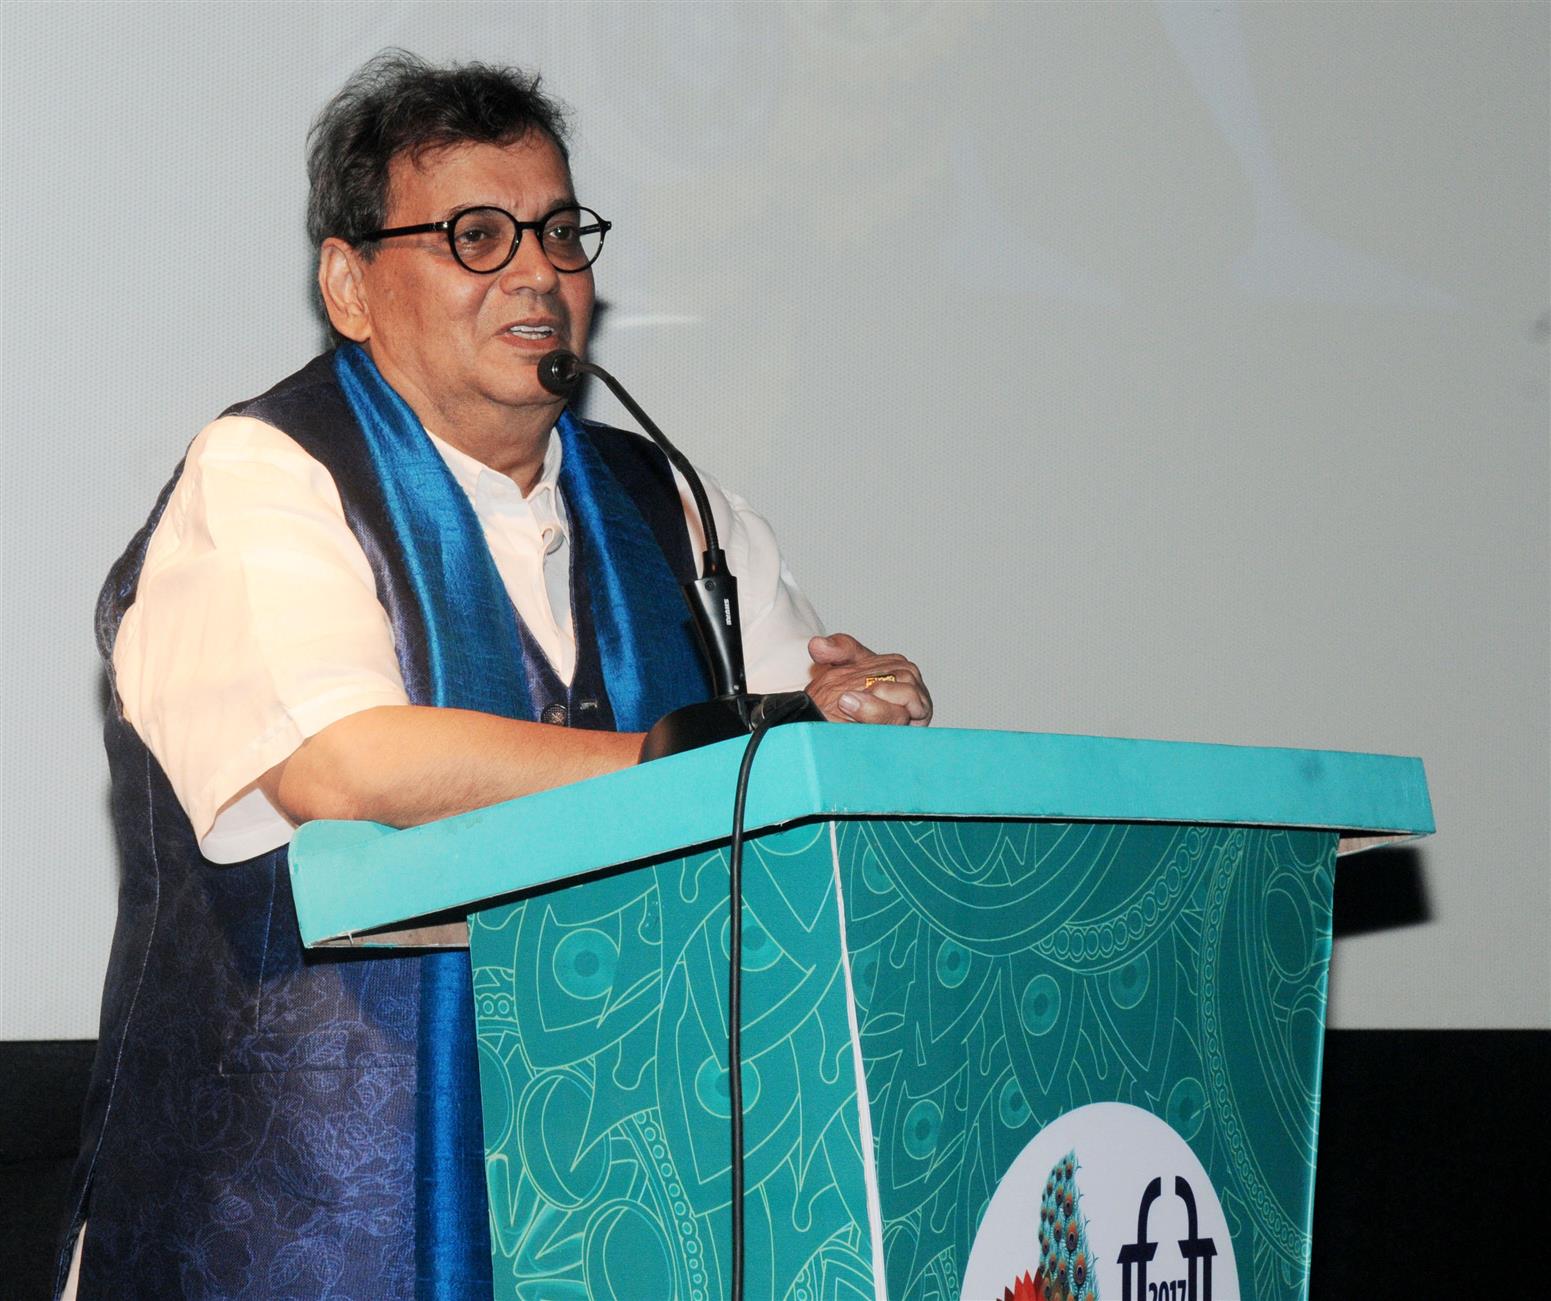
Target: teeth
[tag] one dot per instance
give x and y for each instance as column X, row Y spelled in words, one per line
column 532, row 331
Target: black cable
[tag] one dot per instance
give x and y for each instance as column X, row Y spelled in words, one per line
column 776, row 709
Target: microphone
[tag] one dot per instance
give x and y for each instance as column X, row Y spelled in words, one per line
column 712, row 598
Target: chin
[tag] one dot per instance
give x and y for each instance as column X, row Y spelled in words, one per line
column 529, row 394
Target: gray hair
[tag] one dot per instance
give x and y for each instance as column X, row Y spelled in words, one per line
column 398, row 103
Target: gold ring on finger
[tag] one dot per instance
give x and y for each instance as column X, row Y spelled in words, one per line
column 879, row 677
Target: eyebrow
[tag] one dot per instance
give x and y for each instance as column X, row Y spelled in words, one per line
column 559, row 205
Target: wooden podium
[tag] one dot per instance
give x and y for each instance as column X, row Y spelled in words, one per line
column 1021, row 1011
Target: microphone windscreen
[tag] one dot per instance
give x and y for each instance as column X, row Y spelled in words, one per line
column 559, row 372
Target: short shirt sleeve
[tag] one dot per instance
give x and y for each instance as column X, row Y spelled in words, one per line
column 255, row 625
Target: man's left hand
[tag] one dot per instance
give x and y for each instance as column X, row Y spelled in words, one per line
column 841, row 689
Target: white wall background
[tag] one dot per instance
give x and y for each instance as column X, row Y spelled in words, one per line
column 1158, row 369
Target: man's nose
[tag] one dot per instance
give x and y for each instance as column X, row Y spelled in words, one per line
column 530, row 267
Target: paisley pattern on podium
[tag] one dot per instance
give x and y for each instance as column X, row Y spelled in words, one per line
column 603, row 1042
column 1007, row 973
column 1004, row 974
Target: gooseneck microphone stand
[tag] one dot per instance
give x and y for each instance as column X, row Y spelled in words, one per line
column 732, row 711
column 713, row 603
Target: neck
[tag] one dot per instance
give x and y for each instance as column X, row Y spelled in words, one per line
column 514, row 450
column 511, row 440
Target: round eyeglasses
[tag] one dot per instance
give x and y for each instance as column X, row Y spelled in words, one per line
column 485, row 239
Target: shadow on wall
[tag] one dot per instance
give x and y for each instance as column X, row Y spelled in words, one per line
column 1381, row 891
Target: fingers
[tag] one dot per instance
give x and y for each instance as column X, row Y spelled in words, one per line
column 896, row 696
column 869, row 707
column 851, row 684
column 886, row 670
column 867, row 665
column 837, row 648
column 911, row 696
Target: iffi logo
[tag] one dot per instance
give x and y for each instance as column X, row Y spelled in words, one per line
column 1107, row 1203
column 1196, row 1251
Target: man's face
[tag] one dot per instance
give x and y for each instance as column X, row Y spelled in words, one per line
column 443, row 336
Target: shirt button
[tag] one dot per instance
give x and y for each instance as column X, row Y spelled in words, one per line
column 553, row 714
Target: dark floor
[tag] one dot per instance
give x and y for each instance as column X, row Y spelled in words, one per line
column 1407, row 1117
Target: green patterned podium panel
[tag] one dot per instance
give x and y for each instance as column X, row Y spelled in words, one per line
column 987, row 979
column 603, row 1044
column 1027, row 1017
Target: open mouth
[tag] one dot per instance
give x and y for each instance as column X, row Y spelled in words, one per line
column 532, row 331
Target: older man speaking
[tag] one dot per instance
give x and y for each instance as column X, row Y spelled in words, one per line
column 403, row 583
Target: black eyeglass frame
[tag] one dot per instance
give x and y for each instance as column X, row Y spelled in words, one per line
column 598, row 224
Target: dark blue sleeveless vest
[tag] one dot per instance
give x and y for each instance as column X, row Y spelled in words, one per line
column 250, row 1124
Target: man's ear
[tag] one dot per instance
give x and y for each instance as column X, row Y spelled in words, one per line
column 342, row 282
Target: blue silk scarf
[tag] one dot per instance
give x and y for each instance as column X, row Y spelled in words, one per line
column 474, row 660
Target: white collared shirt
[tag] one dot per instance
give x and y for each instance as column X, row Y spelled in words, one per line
column 256, row 622
column 530, row 541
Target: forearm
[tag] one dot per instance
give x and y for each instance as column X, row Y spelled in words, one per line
column 407, row 764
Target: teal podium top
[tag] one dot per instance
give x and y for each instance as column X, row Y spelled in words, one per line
column 351, row 879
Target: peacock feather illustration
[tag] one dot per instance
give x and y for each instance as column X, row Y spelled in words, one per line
column 1065, row 1270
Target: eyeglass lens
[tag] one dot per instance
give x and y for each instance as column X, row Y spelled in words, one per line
column 485, row 239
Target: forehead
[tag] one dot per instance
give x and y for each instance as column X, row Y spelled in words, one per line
column 527, row 174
